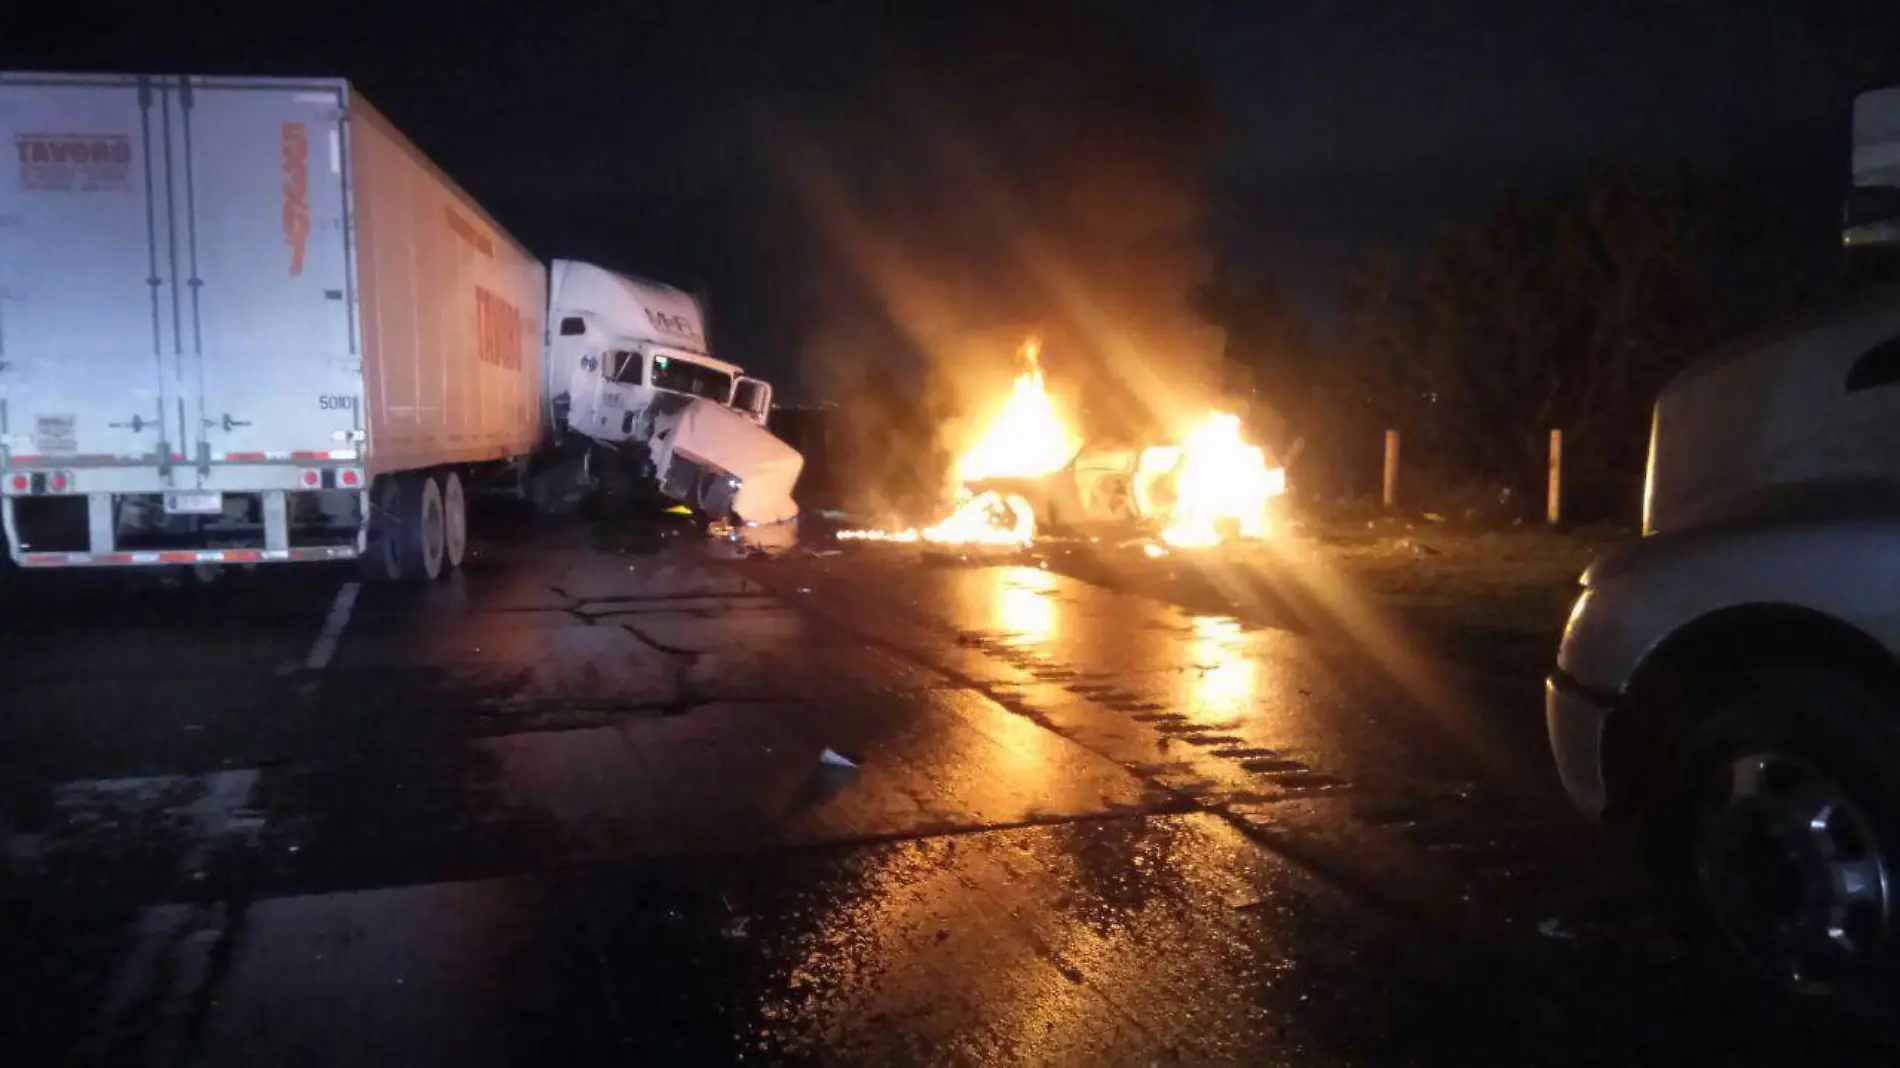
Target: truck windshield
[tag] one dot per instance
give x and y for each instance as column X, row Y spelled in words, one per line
column 696, row 379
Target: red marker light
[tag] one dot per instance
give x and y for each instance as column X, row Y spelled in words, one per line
column 59, row 481
column 311, row 478
column 20, row 483
column 349, row 477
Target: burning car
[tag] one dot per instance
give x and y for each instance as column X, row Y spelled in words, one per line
column 1208, row 487
column 1028, row 474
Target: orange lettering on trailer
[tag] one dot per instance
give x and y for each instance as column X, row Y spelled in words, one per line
column 296, row 193
column 497, row 330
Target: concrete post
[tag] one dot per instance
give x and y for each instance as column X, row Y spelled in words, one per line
column 1391, row 468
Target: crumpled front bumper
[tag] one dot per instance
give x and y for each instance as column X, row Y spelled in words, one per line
column 1575, row 718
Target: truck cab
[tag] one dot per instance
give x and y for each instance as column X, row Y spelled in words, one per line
column 1728, row 687
column 632, row 379
column 620, row 347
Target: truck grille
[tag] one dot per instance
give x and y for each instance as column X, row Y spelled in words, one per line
column 703, row 486
column 682, row 479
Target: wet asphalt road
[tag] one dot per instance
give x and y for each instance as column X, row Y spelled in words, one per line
column 571, row 807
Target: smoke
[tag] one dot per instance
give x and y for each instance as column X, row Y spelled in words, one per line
column 1000, row 169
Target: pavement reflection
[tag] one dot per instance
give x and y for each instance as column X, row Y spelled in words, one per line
column 570, row 808
column 1224, row 671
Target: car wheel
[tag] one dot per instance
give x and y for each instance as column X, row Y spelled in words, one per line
column 1790, row 840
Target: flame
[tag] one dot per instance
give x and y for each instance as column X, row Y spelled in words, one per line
column 1027, row 437
column 987, row 518
column 1222, row 485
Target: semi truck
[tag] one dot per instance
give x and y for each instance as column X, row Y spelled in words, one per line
column 247, row 321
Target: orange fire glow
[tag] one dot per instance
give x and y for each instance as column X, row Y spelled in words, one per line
column 1027, row 437
column 987, row 518
column 1223, row 486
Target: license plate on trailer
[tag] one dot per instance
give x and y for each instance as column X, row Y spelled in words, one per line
column 202, row 503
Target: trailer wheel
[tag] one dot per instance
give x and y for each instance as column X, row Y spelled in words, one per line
column 454, row 520
column 423, row 535
column 382, row 553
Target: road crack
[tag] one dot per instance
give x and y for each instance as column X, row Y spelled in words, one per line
column 686, row 695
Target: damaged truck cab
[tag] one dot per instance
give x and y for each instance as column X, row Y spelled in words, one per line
column 632, row 383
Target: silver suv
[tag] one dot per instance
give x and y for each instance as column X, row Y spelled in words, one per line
column 1728, row 687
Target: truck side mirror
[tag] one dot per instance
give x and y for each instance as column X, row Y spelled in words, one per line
column 754, row 398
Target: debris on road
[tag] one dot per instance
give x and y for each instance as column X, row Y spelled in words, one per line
column 739, row 926
column 832, row 758
column 1556, row 928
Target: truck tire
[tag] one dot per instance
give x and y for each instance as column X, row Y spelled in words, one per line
column 382, row 552
column 454, row 520
column 1788, row 849
column 423, row 538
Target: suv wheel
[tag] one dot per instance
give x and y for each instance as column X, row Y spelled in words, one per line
column 1790, row 841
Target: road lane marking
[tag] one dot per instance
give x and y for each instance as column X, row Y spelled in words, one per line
column 221, row 814
column 339, row 617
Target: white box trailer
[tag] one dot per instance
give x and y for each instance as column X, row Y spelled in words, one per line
column 244, row 320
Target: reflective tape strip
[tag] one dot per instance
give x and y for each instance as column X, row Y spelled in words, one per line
column 80, row 459
column 300, row 456
column 55, row 559
column 189, row 556
column 209, row 556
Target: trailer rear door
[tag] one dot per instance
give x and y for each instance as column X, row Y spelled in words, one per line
column 273, row 367
column 89, row 330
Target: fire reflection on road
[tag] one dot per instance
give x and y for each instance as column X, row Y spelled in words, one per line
column 1025, row 606
column 1224, row 675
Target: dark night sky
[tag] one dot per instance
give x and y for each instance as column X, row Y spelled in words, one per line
column 631, row 133
column 1380, row 124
